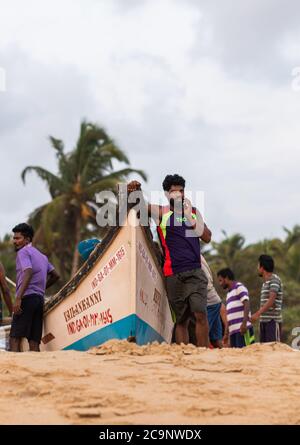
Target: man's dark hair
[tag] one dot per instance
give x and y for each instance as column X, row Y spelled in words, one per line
column 266, row 262
column 25, row 229
column 172, row 180
column 226, row 273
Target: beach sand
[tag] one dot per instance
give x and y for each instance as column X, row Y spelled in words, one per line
column 121, row 383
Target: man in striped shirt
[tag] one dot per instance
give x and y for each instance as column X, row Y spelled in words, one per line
column 270, row 312
column 240, row 329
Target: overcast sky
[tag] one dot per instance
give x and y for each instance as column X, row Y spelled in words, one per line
column 199, row 88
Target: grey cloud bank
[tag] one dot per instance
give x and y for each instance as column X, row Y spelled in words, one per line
column 195, row 87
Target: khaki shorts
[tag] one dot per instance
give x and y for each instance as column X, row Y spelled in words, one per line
column 187, row 293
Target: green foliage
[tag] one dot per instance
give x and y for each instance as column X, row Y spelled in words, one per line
column 243, row 260
column 291, row 318
column 7, row 258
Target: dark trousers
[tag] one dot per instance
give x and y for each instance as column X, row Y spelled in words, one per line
column 270, row 331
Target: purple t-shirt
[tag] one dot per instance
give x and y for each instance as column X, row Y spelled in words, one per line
column 31, row 258
column 180, row 244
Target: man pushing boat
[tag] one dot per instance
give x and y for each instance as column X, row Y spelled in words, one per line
column 180, row 227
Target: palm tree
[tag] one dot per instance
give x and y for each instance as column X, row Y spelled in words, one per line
column 8, row 257
column 292, row 236
column 292, row 257
column 226, row 251
column 71, row 213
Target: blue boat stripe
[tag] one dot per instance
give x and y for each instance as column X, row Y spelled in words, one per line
column 131, row 326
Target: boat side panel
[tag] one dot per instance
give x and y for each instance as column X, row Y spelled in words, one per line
column 151, row 297
column 133, row 222
column 122, row 329
column 102, row 299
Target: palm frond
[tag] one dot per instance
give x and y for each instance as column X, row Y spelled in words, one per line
column 54, row 183
column 51, row 219
column 58, row 145
column 110, row 181
column 125, row 172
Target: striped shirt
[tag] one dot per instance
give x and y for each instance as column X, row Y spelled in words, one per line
column 235, row 307
column 274, row 313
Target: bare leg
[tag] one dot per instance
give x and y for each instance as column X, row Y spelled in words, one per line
column 15, row 344
column 217, row 344
column 202, row 329
column 182, row 333
column 34, row 346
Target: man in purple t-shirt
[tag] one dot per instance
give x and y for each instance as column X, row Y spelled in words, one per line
column 34, row 275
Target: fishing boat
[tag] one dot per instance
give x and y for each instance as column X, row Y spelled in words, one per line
column 118, row 293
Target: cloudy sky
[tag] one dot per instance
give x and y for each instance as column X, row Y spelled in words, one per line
column 205, row 89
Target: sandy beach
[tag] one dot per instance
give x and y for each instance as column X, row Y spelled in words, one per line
column 122, row 383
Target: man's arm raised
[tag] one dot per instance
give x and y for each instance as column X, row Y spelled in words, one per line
column 198, row 225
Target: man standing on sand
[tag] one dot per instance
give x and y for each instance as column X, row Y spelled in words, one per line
column 180, row 228
column 214, row 303
column 240, row 329
column 34, row 275
column 5, row 292
column 270, row 312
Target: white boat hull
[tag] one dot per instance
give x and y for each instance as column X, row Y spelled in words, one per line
column 123, row 295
